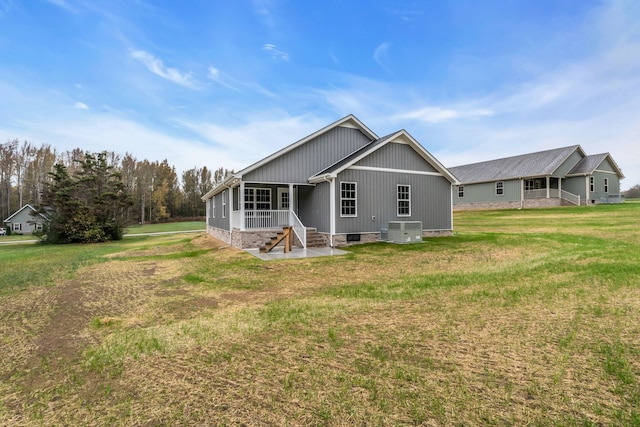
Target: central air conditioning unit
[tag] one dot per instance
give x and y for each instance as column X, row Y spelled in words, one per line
column 404, row 231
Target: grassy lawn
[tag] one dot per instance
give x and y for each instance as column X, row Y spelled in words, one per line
column 522, row 317
column 132, row 229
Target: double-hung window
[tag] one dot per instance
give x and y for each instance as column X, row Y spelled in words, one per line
column 592, row 184
column 404, row 200
column 348, row 198
column 499, row 188
column 224, row 204
column 460, row 191
column 606, row 185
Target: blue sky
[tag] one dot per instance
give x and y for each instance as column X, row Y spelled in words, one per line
column 225, row 83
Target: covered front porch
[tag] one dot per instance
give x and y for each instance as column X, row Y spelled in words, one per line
column 547, row 188
column 262, row 208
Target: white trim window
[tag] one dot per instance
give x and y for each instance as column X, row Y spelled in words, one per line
column 460, row 191
column 606, row 185
column 592, row 184
column 224, row 203
column 348, row 199
column 500, row 188
column 16, row 226
column 39, row 226
column 404, row 200
column 257, row 199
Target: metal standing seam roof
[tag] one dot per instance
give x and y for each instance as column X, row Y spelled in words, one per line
column 542, row 163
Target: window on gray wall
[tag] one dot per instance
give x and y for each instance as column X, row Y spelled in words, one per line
column 606, row 185
column 592, row 184
column 404, row 200
column 224, row 204
column 460, row 191
column 499, row 188
column 348, row 198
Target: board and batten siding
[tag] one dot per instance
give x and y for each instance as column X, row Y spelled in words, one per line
column 393, row 155
column 310, row 158
column 219, row 221
column 376, row 202
column 486, row 192
column 314, row 207
column 567, row 165
column 576, row 185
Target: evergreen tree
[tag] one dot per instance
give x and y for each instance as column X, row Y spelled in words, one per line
column 88, row 206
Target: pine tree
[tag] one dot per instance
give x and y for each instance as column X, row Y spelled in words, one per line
column 88, row 206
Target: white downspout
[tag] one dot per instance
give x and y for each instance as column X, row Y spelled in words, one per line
column 521, row 193
column 332, row 209
column 241, row 200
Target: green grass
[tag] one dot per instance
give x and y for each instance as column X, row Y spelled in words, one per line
column 522, row 317
column 166, row 227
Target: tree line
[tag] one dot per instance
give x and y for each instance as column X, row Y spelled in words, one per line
column 156, row 191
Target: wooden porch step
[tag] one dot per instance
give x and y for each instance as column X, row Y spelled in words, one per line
column 285, row 235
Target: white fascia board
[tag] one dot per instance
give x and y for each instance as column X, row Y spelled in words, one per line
column 350, row 121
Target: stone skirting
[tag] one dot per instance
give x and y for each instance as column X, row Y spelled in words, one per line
column 340, row 240
column 527, row 204
column 219, row 234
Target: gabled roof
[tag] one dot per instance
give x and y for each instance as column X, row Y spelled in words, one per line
column 27, row 206
column 541, row 163
column 588, row 165
column 347, row 121
column 333, row 170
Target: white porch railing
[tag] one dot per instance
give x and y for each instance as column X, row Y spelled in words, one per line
column 263, row 219
column 570, row 197
column 298, row 228
column 270, row 219
column 541, row 193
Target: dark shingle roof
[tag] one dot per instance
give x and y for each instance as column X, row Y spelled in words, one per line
column 542, row 163
column 587, row 165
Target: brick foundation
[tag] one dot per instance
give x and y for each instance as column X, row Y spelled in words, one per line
column 527, row 204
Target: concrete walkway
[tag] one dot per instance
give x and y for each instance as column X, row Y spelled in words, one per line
column 278, row 253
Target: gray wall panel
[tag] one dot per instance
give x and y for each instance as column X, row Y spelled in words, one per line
column 219, row 221
column 486, row 192
column 396, row 156
column 314, row 206
column 377, row 201
column 310, row 158
column 571, row 161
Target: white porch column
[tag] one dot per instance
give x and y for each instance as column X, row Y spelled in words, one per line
column 587, row 193
column 241, row 200
column 290, row 197
column 560, row 187
column 332, row 210
column 548, row 184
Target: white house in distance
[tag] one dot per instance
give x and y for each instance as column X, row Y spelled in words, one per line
column 25, row 220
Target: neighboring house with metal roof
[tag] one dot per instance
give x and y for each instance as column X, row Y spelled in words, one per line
column 561, row 176
column 343, row 183
column 26, row 220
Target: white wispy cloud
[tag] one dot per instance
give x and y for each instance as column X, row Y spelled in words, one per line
column 157, row 67
column 438, row 114
column 217, row 76
column 380, row 54
column 263, row 9
column 274, row 52
column 80, row 106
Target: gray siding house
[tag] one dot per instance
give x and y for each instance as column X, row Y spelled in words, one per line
column 342, row 183
column 562, row 176
column 25, row 220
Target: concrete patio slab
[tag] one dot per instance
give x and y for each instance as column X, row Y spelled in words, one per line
column 278, row 253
